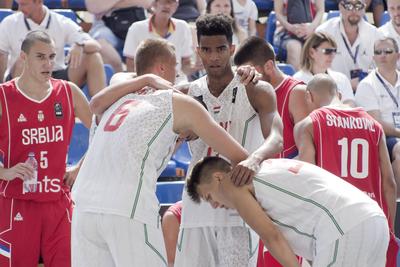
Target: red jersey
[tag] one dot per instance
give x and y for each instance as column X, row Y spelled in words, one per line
column 283, row 92
column 43, row 127
column 176, row 209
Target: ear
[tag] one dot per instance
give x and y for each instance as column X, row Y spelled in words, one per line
column 268, row 66
column 312, row 52
column 23, row 55
column 218, row 176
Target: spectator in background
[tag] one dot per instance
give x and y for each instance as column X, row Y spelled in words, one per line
column 294, row 27
column 355, row 39
column 162, row 25
column 6, row 3
column 170, row 225
column 190, row 10
column 378, row 94
column 110, row 43
column 377, row 8
column 392, row 27
column 225, row 7
column 84, row 62
column 246, row 15
column 316, row 57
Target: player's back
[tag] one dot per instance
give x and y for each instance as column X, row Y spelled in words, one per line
column 130, row 148
column 347, row 144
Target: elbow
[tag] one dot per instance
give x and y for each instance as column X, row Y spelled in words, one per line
column 94, row 106
column 271, row 238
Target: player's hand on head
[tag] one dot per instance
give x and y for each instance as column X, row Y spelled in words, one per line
column 70, row 175
column 158, row 83
column 243, row 173
column 21, row 170
column 248, row 74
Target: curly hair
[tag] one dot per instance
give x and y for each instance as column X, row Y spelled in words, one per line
column 211, row 25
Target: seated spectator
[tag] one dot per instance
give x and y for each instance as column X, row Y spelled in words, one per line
column 316, row 57
column 109, row 41
column 377, row 8
column 355, row 39
column 378, row 94
column 225, row 7
column 84, row 61
column 246, row 15
column 6, row 3
column 392, row 27
column 162, row 25
column 190, row 10
column 170, row 226
column 294, row 27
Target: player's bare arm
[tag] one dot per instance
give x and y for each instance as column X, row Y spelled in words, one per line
column 189, row 114
column 297, row 103
column 303, row 135
column 388, row 182
column 81, row 105
column 123, row 85
column 19, row 170
column 253, row 214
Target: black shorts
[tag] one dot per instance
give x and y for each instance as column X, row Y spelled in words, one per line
column 391, row 141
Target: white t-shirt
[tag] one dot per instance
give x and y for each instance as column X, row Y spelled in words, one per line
column 131, row 146
column 343, row 61
column 310, row 206
column 342, row 82
column 62, row 29
column 372, row 95
column 244, row 13
column 181, row 38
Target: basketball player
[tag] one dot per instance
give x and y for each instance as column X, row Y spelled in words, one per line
column 37, row 115
column 116, row 221
column 323, row 218
column 349, row 143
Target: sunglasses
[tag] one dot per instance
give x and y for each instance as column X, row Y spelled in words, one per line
column 328, row 51
column 387, row 51
column 350, row 6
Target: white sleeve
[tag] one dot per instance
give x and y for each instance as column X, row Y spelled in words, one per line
column 72, row 31
column 344, row 87
column 5, row 45
column 187, row 46
column 131, row 41
column 253, row 10
column 365, row 96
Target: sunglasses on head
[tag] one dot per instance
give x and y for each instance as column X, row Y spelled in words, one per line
column 386, row 51
column 352, row 6
column 328, row 51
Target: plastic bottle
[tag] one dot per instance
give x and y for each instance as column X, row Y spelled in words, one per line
column 30, row 183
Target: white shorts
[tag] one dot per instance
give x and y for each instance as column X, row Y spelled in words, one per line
column 363, row 246
column 109, row 240
column 216, row 247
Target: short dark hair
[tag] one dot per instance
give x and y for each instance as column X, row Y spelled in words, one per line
column 33, row 37
column 150, row 52
column 256, row 50
column 201, row 173
column 211, row 25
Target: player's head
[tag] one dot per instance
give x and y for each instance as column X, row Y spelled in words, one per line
column 214, row 35
column 205, row 181
column 386, row 53
column 257, row 52
column 321, row 91
column 156, row 56
column 38, row 53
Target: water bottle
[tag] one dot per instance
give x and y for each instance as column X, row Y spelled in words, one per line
column 30, row 183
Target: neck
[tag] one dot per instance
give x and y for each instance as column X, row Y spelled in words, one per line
column 38, row 17
column 390, row 75
column 317, row 69
column 217, row 84
column 160, row 23
column 336, row 103
column 276, row 78
column 351, row 31
column 396, row 28
column 33, row 86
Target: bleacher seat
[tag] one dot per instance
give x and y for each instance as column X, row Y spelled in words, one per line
column 169, row 192
column 4, row 12
column 108, row 69
column 77, row 4
column 69, row 13
column 169, row 173
column 79, row 143
column 333, row 14
column 264, row 5
column 287, row 68
column 384, row 18
column 331, row 5
column 178, row 165
column 53, row 3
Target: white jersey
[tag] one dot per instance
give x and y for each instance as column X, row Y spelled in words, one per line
column 132, row 145
column 311, row 206
column 233, row 111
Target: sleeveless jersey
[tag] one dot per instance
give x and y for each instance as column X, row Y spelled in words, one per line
column 347, row 144
column 283, row 92
column 131, row 146
column 43, row 127
column 233, row 111
column 311, row 206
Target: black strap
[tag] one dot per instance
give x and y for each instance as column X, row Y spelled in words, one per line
column 28, row 27
column 354, row 57
column 387, row 89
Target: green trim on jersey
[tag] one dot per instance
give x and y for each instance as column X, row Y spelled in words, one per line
column 303, row 199
column 149, row 144
column 334, row 253
column 146, row 240
column 294, row 229
column 179, row 245
column 251, row 251
column 246, row 125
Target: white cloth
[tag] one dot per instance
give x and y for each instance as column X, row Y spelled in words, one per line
column 62, row 29
column 310, row 206
column 244, row 13
column 181, row 38
column 129, row 150
column 367, row 35
column 371, row 95
column 342, row 82
column 104, row 240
